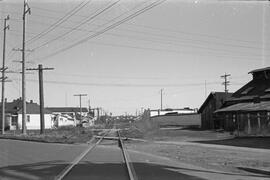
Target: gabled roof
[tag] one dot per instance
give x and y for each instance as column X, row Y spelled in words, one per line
column 248, row 107
column 66, row 109
column 218, row 95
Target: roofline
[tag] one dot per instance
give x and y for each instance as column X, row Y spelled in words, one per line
column 208, row 97
column 259, row 70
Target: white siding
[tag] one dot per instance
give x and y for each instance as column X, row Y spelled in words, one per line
column 62, row 121
column 34, row 122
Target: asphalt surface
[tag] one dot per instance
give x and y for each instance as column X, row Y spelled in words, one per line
column 31, row 160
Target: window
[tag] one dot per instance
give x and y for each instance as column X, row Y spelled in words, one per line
column 14, row 121
column 28, row 118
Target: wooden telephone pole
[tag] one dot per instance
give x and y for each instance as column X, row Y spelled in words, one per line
column 40, row 70
column 26, row 10
column 161, row 99
column 80, row 96
column 3, row 79
column 226, row 83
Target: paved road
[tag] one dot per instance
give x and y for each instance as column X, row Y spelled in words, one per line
column 30, row 160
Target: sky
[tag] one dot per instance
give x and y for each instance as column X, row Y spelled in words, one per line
column 121, row 56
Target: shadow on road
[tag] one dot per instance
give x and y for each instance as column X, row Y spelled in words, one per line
column 86, row 170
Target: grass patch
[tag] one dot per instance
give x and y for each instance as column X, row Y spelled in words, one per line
column 66, row 134
column 132, row 133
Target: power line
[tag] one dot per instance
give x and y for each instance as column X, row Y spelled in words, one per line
column 82, row 23
column 60, row 21
column 168, row 30
column 123, row 84
column 104, row 77
column 172, row 51
column 183, row 43
column 160, row 40
column 152, row 5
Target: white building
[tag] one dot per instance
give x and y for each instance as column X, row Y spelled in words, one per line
column 66, row 116
column 168, row 111
column 63, row 120
column 14, row 115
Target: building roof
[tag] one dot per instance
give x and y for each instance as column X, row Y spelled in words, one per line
column 66, row 109
column 247, row 107
column 220, row 96
column 16, row 107
column 34, row 108
column 260, row 70
column 254, row 88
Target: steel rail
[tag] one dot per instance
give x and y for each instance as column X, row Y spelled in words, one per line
column 131, row 172
column 62, row 174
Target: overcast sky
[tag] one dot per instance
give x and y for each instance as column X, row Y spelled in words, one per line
column 122, row 65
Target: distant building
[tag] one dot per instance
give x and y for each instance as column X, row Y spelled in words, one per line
column 184, row 117
column 248, row 110
column 213, row 102
column 14, row 115
column 62, row 120
column 169, row 111
column 64, row 116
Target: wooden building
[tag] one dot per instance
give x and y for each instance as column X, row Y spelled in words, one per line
column 213, row 102
column 248, row 110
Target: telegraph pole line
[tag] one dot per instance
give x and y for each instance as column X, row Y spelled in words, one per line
column 205, row 89
column 26, row 10
column 80, row 97
column 226, row 83
column 40, row 70
column 89, row 105
column 161, row 99
column 4, row 68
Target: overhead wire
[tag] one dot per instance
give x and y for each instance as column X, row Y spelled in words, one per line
column 59, row 21
column 116, row 24
column 157, row 41
column 79, row 25
column 167, row 29
column 122, row 84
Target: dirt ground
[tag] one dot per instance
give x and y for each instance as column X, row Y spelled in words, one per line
column 222, row 159
column 175, row 144
column 253, row 142
column 181, row 134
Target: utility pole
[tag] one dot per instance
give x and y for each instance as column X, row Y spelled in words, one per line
column 80, row 95
column 3, row 75
column 89, row 106
column 161, row 99
column 205, row 89
column 41, row 94
column 226, row 83
column 26, row 10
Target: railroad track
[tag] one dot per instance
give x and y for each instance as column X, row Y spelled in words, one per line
column 89, row 151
